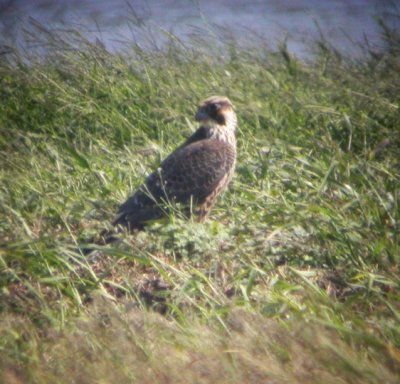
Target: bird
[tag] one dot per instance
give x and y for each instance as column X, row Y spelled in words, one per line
column 194, row 175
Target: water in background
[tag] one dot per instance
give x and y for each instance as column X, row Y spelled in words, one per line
column 119, row 23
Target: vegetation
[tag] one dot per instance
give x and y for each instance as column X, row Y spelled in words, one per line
column 295, row 278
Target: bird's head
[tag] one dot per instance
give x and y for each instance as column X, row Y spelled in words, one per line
column 217, row 112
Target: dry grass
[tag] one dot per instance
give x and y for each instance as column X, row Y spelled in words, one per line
column 109, row 344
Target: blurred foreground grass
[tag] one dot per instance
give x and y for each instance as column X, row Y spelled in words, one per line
column 295, row 278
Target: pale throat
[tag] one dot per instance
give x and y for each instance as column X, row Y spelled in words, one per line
column 220, row 132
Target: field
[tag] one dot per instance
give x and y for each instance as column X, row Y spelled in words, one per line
column 293, row 279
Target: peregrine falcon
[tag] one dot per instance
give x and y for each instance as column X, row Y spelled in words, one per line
column 193, row 175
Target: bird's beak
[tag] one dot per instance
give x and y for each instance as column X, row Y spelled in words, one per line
column 201, row 115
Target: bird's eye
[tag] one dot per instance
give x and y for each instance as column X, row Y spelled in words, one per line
column 214, row 107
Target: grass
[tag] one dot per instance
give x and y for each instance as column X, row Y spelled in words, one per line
column 295, row 277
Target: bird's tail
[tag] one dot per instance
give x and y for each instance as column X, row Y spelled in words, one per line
column 137, row 220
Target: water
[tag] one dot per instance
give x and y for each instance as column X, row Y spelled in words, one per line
column 118, row 23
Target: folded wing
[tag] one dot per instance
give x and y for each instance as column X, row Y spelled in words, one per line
column 192, row 173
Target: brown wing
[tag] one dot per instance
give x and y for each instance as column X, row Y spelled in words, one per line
column 192, row 172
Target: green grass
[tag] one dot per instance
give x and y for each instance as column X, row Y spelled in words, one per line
column 294, row 278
